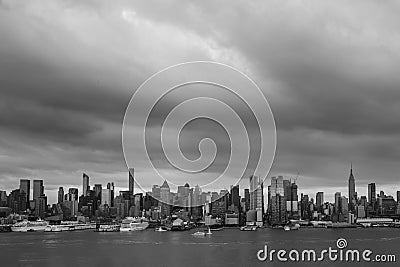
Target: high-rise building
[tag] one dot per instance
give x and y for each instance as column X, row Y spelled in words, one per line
column 235, row 198
column 257, row 198
column 338, row 196
column 398, row 197
column 3, row 198
column 41, row 206
column 247, row 199
column 106, row 197
column 165, row 199
column 60, row 195
column 372, row 194
column 85, row 184
column 25, row 186
column 290, row 194
column 352, row 190
column 278, row 208
column 320, row 200
column 111, row 187
column 131, row 180
column 38, row 189
column 74, row 193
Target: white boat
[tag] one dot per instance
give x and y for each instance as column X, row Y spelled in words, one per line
column 199, row 234
column 108, row 228
column 30, row 226
column 130, row 224
column 161, row 229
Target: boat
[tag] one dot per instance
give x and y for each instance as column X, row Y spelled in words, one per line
column 291, row 227
column 130, row 224
column 199, row 234
column 161, row 229
column 70, row 226
column 30, row 226
column 108, row 228
column 248, row 228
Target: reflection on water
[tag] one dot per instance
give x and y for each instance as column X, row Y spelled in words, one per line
column 229, row 247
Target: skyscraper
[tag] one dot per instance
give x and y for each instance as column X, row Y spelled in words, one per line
column 338, row 196
column 352, row 190
column 60, row 194
column 372, row 194
column 278, row 201
column 235, row 198
column 398, row 196
column 85, row 185
column 38, row 189
column 25, row 186
column 131, row 180
column 320, row 200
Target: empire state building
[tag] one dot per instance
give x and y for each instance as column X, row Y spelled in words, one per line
column 352, row 190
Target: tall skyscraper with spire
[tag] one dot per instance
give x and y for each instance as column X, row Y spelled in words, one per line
column 352, row 190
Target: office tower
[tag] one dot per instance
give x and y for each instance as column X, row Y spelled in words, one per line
column 156, row 191
column 235, row 198
column 278, row 201
column 290, row 194
column 38, row 189
column 25, row 186
column 257, row 198
column 398, row 196
column 372, row 195
column 131, row 180
column 3, row 198
column 97, row 190
column 344, row 209
column 17, row 201
column 74, row 193
column 106, row 197
column 352, row 190
column 165, row 196
column 60, row 194
column 85, row 184
column 111, row 187
column 247, row 199
column 41, row 207
column 165, row 192
column 337, row 201
column 320, row 200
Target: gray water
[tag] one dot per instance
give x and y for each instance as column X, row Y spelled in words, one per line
column 229, row 247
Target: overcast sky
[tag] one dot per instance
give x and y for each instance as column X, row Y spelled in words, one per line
column 330, row 72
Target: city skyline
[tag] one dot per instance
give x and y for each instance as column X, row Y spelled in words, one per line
column 334, row 94
column 131, row 174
